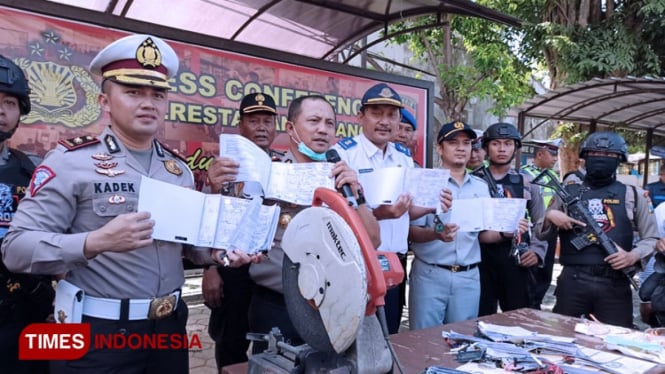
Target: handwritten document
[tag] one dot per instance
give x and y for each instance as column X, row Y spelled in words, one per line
column 186, row 216
column 294, row 183
column 486, row 213
column 384, row 185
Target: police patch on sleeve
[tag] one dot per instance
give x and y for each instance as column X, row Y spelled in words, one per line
column 347, row 143
column 40, row 177
column 403, row 149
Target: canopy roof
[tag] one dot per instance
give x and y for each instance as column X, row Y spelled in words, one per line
column 638, row 103
column 314, row 28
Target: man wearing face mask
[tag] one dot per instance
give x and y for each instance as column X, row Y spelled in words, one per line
column 591, row 281
column 311, row 127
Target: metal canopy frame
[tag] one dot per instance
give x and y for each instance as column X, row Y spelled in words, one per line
column 637, row 103
column 321, row 29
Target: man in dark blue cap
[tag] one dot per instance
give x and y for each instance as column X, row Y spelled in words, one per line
column 406, row 131
column 444, row 280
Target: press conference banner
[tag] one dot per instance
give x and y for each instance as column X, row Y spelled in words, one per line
column 204, row 99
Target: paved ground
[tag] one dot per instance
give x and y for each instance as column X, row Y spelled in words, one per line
column 203, row 361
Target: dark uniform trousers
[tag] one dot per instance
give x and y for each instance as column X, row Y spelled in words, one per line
column 229, row 323
column 597, row 290
column 267, row 310
column 129, row 360
column 502, row 280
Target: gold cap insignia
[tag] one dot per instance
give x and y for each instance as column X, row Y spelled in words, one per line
column 459, row 125
column 148, row 55
column 385, row 92
column 172, row 167
column 260, row 99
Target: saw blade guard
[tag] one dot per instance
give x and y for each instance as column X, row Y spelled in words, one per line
column 324, row 279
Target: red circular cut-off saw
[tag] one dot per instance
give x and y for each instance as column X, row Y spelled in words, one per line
column 333, row 277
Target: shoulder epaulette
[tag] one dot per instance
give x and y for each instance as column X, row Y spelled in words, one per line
column 402, row 149
column 78, row 142
column 347, row 143
column 276, row 155
column 163, row 148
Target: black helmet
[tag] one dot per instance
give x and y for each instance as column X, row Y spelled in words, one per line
column 502, row 130
column 605, row 141
column 13, row 82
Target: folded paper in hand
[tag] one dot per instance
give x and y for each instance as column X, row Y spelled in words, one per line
column 486, row 213
column 186, row 216
column 384, row 185
column 291, row 182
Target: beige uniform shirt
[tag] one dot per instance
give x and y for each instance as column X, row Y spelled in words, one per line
column 268, row 273
column 75, row 192
column 639, row 211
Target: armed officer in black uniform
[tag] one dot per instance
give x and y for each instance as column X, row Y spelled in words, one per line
column 592, row 281
column 505, row 277
column 24, row 299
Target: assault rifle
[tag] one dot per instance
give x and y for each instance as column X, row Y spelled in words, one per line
column 589, row 234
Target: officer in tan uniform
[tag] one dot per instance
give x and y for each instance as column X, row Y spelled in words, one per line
column 79, row 218
column 311, row 129
column 227, row 291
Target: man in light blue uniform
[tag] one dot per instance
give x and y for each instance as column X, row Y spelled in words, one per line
column 379, row 117
column 444, row 279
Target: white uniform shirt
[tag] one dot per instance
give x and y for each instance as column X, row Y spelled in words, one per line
column 363, row 156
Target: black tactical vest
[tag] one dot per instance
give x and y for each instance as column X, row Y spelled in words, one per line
column 510, row 186
column 14, row 180
column 608, row 207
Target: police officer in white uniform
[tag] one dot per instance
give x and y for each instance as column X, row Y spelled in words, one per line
column 379, row 117
column 79, row 217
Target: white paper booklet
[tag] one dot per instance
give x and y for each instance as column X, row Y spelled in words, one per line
column 186, row 216
column 294, row 183
column 383, row 186
column 486, row 213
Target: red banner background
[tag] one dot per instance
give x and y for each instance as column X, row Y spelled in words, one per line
column 205, row 95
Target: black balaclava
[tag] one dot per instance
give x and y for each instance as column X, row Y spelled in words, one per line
column 601, row 170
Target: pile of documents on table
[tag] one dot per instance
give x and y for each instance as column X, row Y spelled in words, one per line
column 647, row 345
column 497, row 349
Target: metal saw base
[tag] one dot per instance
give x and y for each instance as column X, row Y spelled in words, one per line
column 307, row 360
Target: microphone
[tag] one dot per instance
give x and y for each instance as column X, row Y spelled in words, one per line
column 333, row 156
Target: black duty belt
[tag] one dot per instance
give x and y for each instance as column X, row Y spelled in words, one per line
column 455, row 268
column 599, row 271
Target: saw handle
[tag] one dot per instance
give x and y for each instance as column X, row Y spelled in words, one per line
column 376, row 284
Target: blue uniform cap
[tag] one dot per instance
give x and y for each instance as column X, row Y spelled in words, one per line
column 381, row 94
column 407, row 117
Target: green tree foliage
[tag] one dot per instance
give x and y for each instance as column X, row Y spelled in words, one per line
column 472, row 58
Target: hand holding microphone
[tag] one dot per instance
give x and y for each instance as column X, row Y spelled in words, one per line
column 347, row 192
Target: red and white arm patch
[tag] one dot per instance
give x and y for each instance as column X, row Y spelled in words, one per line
column 40, row 177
